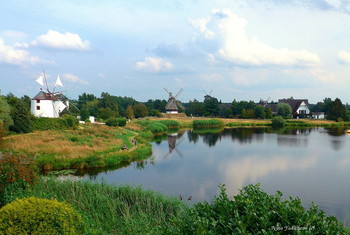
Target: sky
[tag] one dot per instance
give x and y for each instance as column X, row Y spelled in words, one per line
column 242, row 49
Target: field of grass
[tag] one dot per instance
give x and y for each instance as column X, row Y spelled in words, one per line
column 109, row 209
column 89, row 146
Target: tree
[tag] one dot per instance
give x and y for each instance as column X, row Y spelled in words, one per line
column 211, row 107
column 284, row 110
column 337, row 111
column 140, row 110
column 260, row 112
column 22, row 118
column 5, row 113
column 268, row 112
column 195, row 108
column 129, row 113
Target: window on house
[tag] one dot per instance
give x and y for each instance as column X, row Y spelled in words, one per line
column 37, row 101
column 37, row 107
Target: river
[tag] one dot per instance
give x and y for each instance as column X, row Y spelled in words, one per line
column 312, row 164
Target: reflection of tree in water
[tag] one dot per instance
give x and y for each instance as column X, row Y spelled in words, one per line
column 245, row 135
column 336, row 131
column 210, row 138
column 192, row 137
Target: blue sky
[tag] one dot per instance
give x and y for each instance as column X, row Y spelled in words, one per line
column 243, row 50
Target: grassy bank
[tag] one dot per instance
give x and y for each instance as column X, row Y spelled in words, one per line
column 87, row 147
column 107, row 209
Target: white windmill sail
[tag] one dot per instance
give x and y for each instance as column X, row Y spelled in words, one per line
column 58, row 82
column 40, row 80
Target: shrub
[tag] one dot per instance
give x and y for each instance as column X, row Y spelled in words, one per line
column 278, row 121
column 39, row 216
column 18, row 170
column 71, row 121
column 116, row 122
column 65, row 122
column 207, row 123
column 253, row 211
column 171, row 124
column 157, row 127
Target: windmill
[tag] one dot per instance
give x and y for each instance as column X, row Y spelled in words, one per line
column 264, row 102
column 173, row 104
column 207, row 96
column 48, row 103
column 173, row 143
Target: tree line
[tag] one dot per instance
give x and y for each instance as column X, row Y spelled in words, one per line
column 15, row 112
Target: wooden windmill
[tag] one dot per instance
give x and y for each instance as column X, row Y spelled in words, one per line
column 48, row 103
column 207, row 95
column 173, row 104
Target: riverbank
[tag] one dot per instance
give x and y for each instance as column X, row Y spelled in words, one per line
column 90, row 146
column 108, row 209
column 100, row 146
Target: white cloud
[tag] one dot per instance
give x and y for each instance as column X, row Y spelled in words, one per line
column 237, row 47
column 11, row 55
column 73, row 78
column 344, row 57
column 151, row 64
column 65, row 41
column 201, row 26
column 101, row 75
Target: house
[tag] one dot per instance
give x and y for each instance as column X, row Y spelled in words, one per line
column 300, row 107
column 318, row 115
column 46, row 104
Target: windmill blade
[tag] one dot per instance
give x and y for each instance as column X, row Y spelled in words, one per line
column 205, row 92
column 210, row 91
column 168, row 105
column 180, row 91
column 180, row 105
column 166, row 90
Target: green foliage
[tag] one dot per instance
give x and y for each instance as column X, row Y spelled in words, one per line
column 171, row 124
column 195, row 108
column 337, row 111
column 253, row 211
column 129, row 113
column 237, row 107
column 108, row 209
column 211, row 106
column 71, row 121
column 65, row 122
column 247, row 113
column 157, row 127
column 116, row 122
column 39, row 216
column 18, row 170
column 5, row 113
column 20, row 114
column 260, row 111
column 140, row 110
column 207, row 123
column 278, row 122
column 284, row 110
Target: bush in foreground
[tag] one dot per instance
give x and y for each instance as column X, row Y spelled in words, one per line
column 39, row 216
column 253, row 211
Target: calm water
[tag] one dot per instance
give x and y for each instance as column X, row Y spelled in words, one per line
column 312, row 164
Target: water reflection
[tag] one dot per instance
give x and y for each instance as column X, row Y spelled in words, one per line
column 312, row 164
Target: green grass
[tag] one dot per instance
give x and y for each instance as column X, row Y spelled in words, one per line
column 207, row 123
column 109, row 209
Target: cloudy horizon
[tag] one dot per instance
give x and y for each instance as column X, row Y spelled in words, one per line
column 243, row 50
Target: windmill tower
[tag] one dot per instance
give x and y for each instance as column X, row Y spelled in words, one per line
column 173, row 104
column 207, row 96
column 48, row 103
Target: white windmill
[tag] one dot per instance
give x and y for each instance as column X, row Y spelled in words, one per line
column 48, row 103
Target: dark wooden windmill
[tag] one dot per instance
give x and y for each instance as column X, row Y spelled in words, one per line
column 173, row 104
